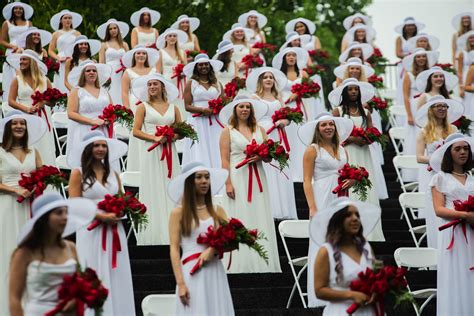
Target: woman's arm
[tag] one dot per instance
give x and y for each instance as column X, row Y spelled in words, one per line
column 125, row 89
column 344, row 45
column 137, row 127
column 224, row 144
column 103, row 48
column 454, row 45
column 67, row 70
column 406, row 99
column 73, row 108
column 159, row 64
column 75, row 184
column 439, row 202
column 468, row 86
column 420, row 148
column 196, row 42
column 4, row 38
column 52, row 47
column 20, row 260
column 38, row 161
column 188, row 102
column 317, row 43
column 13, row 94
column 309, row 157
column 134, row 37
column 398, row 48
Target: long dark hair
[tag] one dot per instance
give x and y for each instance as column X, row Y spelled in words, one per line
column 119, row 35
column 13, row 18
column 87, row 162
column 346, row 101
column 226, row 58
column 30, row 45
column 306, row 28
column 284, row 66
column 145, row 64
column 443, row 90
column 7, row 141
column 141, row 21
column 251, row 120
column 405, row 35
column 447, row 164
column 77, row 53
column 335, row 235
column 211, row 76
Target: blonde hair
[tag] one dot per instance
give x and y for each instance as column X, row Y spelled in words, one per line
column 190, row 34
column 233, row 39
column 430, row 129
column 469, row 47
column 415, row 69
column 36, row 75
column 362, row 76
column 178, row 51
column 82, row 79
column 164, row 95
column 462, row 30
column 259, row 91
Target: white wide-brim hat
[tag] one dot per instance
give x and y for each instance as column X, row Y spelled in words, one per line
column 259, row 108
column 154, row 16
column 94, row 45
column 290, row 37
column 421, row 81
column 262, row 20
column 339, row 71
column 199, row 59
column 367, row 51
column 140, row 87
column 122, row 26
column 279, row 78
column 462, row 40
column 455, row 110
column 218, row 178
column 27, row 9
column 408, row 21
column 153, row 56
column 237, row 26
column 45, row 37
column 116, row 148
column 456, row 20
column 193, row 22
column 437, row 157
column 56, row 19
column 35, row 125
column 103, row 71
column 318, row 226
column 14, row 60
column 367, row 91
column 290, row 26
column 301, row 57
column 80, row 212
column 224, row 46
column 161, row 41
column 344, row 127
column 369, row 32
column 408, row 60
column 348, row 21
column 433, row 40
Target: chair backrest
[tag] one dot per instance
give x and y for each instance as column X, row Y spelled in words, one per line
column 406, row 162
column 294, row 228
column 418, row 258
column 61, row 162
column 130, row 178
column 60, row 118
column 398, row 110
column 159, row 305
column 412, row 200
column 398, row 133
column 121, row 131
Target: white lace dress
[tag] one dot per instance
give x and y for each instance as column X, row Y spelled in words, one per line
column 112, row 58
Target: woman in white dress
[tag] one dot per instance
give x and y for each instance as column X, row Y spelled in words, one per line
column 201, row 87
column 350, row 99
column 16, row 15
column 80, row 51
column 188, row 25
column 435, row 118
column 239, row 36
column 351, row 21
column 111, row 51
column 244, row 196
column 229, row 69
column 359, row 33
column 434, row 81
column 464, row 58
column 266, row 84
column 156, row 109
column 35, row 39
column 92, row 177
column 144, row 33
column 207, row 291
column 64, row 25
column 341, row 231
column 425, row 41
column 19, row 132
column 139, row 61
column 31, row 78
column 43, row 257
column 462, row 23
column 355, row 49
column 323, row 157
column 304, row 26
column 293, row 39
column 353, row 68
column 455, row 280
column 254, row 21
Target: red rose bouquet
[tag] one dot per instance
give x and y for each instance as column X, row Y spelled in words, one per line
column 376, row 82
column 37, row 181
column 378, row 61
column 463, row 124
column 53, row 67
column 306, row 89
column 85, row 288
column 115, row 113
column 447, row 67
column 251, row 61
column 375, row 136
column 381, row 106
column 351, row 172
column 315, row 69
column 50, row 95
column 178, row 73
column 227, row 238
column 191, row 54
column 216, row 105
column 319, row 56
column 293, row 115
column 232, row 87
column 266, row 49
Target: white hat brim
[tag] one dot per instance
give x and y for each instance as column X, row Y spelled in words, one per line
column 252, row 79
column 290, row 26
column 248, row 33
column 262, row 20
column 94, row 46
column 407, row 61
column 45, row 37
column 347, row 23
column 154, row 16
column 455, row 111
column 193, row 23
column 301, row 57
column 215, row 64
column 140, row 87
column 259, row 109
column 369, row 32
column 462, row 40
column 123, row 27
column 456, row 20
column 153, row 56
column 367, row 92
column 437, row 157
column 421, row 81
column 419, row 26
column 35, row 125
column 344, row 128
column 104, row 72
column 182, row 38
column 56, row 19
column 14, row 61
column 367, row 51
column 339, row 71
column 433, row 40
column 304, row 40
column 27, row 9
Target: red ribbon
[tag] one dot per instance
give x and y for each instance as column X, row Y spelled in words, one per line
column 40, row 114
column 283, row 138
column 167, row 153
column 253, row 168
column 110, row 128
column 80, row 308
column 209, row 118
column 122, row 67
column 196, row 267
column 116, row 245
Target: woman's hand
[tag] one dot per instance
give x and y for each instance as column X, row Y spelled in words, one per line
column 69, row 307
column 410, row 119
column 359, row 298
column 109, row 218
column 183, row 294
column 282, row 123
column 206, row 256
column 254, row 159
column 469, row 217
column 348, row 183
column 312, row 211
column 23, row 192
column 31, row 110
column 359, row 141
column 63, row 59
column 159, row 139
column 461, row 91
column 207, row 112
column 98, row 122
column 292, row 97
column 229, row 189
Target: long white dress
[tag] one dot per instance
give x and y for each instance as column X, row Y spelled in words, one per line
column 112, row 57
column 282, row 195
column 45, row 146
column 455, row 283
column 226, row 76
column 324, row 181
column 240, row 51
column 146, row 39
column 154, row 179
column 63, row 44
column 189, row 45
column 209, row 291
column 255, row 214
column 207, row 149
column 401, row 71
column 13, row 215
column 89, row 250
column 169, row 63
column 350, row 271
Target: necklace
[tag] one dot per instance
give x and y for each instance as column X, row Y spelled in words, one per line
column 352, row 113
column 16, row 147
column 200, row 207
column 204, row 81
column 459, row 174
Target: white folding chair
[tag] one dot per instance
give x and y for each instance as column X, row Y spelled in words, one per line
column 130, row 179
column 418, row 258
column 295, row 229
column 394, row 111
column 397, row 137
column 413, row 201
column 61, row 163
column 159, row 305
column 121, row 132
column 60, row 120
column 406, row 162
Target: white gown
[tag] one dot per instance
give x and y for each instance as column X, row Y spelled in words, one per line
column 208, row 288
column 255, row 214
column 189, row 45
column 239, row 52
column 226, row 76
column 455, row 283
column 13, row 215
column 401, row 72
column 154, row 180
column 168, row 64
column 146, row 39
column 89, row 250
column 112, row 57
column 63, row 44
column 207, row 149
column 324, row 181
column 282, row 195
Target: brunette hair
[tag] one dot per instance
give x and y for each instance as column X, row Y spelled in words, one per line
column 226, row 58
column 416, row 70
column 284, row 66
column 119, row 35
column 13, row 19
column 164, row 95
column 7, row 141
column 405, row 35
column 87, row 161
column 335, row 141
column 76, row 54
column 251, row 121
column 345, row 105
column 141, row 21
column 211, row 76
column 443, row 90
column 306, row 28
column 178, row 51
column 447, row 162
column 82, row 79
column 30, row 45
column 462, row 29
column 134, row 62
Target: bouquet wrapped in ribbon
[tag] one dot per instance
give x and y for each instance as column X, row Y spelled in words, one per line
column 250, row 61
column 378, row 61
column 232, row 87
column 115, row 113
column 37, row 181
column 375, row 136
column 178, row 74
column 361, row 177
column 447, row 67
column 191, row 54
column 85, row 288
column 315, row 69
column 120, row 205
column 306, row 89
column 227, row 238
column 381, row 106
column 216, row 105
column 376, row 81
column 463, row 124
column 293, row 115
column 266, row 49
column 53, row 67
column 319, row 56
column 53, row 97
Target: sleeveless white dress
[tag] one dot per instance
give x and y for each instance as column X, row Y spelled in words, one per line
column 255, row 214
column 63, row 44
column 208, row 288
column 13, row 215
column 146, row 39
column 455, row 283
column 169, row 63
column 207, row 149
column 350, row 272
column 239, row 52
column 154, row 179
column 45, row 146
column 226, row 76
column 112, row 58
column 325, row 177
column 401, row 71
column 189, row 45
column 89, row 249
column 282, row 195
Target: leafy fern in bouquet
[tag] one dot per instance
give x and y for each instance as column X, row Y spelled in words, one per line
column 378, row 61
column 319, row 56
column 315, row 69
column 53, row 67
column 362, row 183
column 115, row 113
column 464, row 125
column 266, row 49
column 376, row 81
column 375, row 136
column 38, row 180
column 52, row 96
column 381, row 106
column 185, row 130
column 447, row 67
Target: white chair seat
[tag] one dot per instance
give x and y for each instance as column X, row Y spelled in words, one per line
column 419, row 229
column 159, row 305
column 300, row 262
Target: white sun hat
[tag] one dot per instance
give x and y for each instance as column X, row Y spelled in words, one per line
column 27, row 9
column 344, row 127
column 259, row 108
column 122, row 26
column 35, row 125
column 45, row 36
column 454, row 112
column 291, row 36
column 154, row 16
column 367, row 91
column 199, row 59
column 407, row 21
column 94, row 45
column 290, row 26
column 237, row 26
column 301, row 57
column 367, row 51
column 437, row 157
column 456, row 20
column 14, row 60
column 408, row 60
column 262, row 20
column 182, row 37
column 193, row 22
column 252, row 79
column 369, row 32
column 450, row 79
column 224, row 46
column 462, row 40
column 103, row 71
column 153, row 56
column 140, row 87
column 433, row 40
column 56, row 19
column 348, row 21
column 353, row 61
